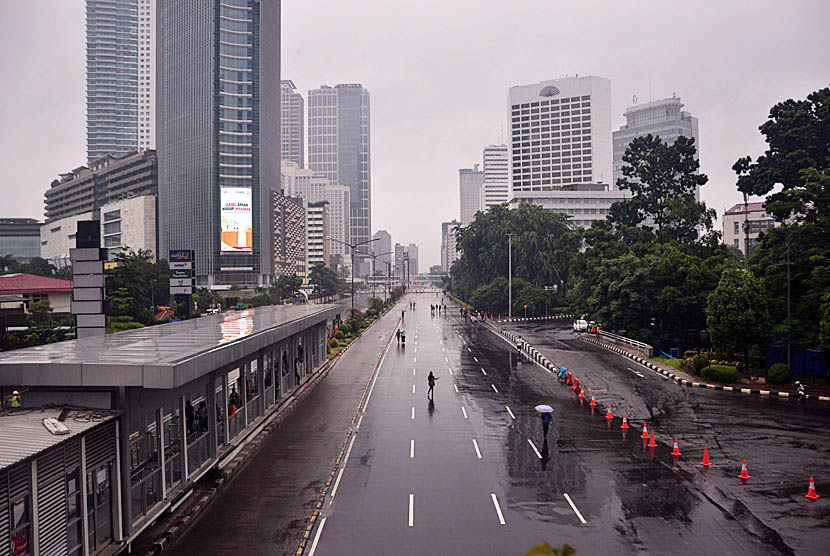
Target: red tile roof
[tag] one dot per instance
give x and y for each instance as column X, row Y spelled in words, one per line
column 751, row 207
column 29, row 283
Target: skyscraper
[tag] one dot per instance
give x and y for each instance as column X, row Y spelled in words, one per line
column 120, row 77
column 339, row 147
column 560, row 133
column 470, row 181
column 383, row 248
column 496, row 187
column 293, row 112
column 219, row 134
column 449, row 250
column 663, row 118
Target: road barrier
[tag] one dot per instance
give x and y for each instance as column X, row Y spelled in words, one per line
column 642, row 347
column 531, row 319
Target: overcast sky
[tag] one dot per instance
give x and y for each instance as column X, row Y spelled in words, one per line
column 438, row 74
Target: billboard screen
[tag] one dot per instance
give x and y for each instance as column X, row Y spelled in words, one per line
column 237, row 229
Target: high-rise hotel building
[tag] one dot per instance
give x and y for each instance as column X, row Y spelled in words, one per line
column 496, row 187
column 120, row 77
column 293, row 114
column 560, row 133
column 339, row 148
column 219, row 134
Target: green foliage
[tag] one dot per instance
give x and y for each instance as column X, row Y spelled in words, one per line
column 136, row 286
column 345, row 328
column 33, row 337
column 736, row 311
column 339, row 334
column 699, row 362
column 376, row 303
column 259, row 300
column 778, row 373
column 122, row 323
column 325, row 280
column 662, row 179
column 285, row 287
column 333, row 343
column 720, row 373
column 39, row 313
column 547, row 550
column 824, row 323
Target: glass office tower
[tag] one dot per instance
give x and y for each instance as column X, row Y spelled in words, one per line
column 219, row 134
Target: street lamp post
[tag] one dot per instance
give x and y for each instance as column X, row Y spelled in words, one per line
column 510, row 275
column 352, row 247
column 375, row 256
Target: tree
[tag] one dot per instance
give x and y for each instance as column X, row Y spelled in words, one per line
column 136, row 286
column 326, row 280
column 8, row 264
column 37, row 266
column 736, row 312
column 824, row 324
column 39, row 313
column 662, row 179
column 285, row 286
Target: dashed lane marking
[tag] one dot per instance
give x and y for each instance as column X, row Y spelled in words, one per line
column 574, row 508
column 483, row 371
column 450, row 371
column 475, row 445
column 413, row 372
column 413, row 388
column 475, row 358
column 411, row 510
column 412, row 449
column 496, row 390
column 413, row 412
column 359, row 421
column 456, row 388
column 638, row 373
column 507, row 407
column 464, row 411
column 498, row 508
column 535, row 449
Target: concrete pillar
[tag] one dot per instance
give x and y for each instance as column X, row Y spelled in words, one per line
column 210, row 399
column 260, row 378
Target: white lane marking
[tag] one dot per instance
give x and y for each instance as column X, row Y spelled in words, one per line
column 464, row 411
column 413, row 388
column 638, row 373
column 574, row 508
column 380, row 366
column 450, row 371
column 483, row 371
column 359, row 420
column 411, row 510
column 447, row 359
column 478, row 452
column 342, row 468
column 475, row 358
column 456, row 388
column 468, row 349
column 412, row 448
column 414, row 359
column 413, row 372
column 496, row 390
column 413, row 412
column 415, row 350
column 510, row 412
column 317, row 536
column 498, row 508
column 532, row 445
column 443, row 350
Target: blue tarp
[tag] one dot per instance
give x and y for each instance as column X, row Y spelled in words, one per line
column 805, row 362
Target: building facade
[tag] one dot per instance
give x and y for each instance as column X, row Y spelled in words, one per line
column 293, row 117
column 584, row 203
column 661, row 118
column 339, row 147
column 470, row 181
column 560, row 133
column 383, row 249
column 130, row 224
column 120, row 77
column 317, row 230
column 449, row 249
column 755, row 216
column 412, row 250
column 219, row 135
column 20, row 238
column 289, row 234
column 495, row 190
column 313, row 187
column 29, row 289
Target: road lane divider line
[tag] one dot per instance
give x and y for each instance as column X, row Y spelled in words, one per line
column 496, row 390
column 456, row 388
column 510, row 412
column 475, row 358
column 475, row 445
column 317, row 536
column 447, row 359
column 498, row 508
column 359, row 421
column 535, row 449
column 483, row 371
column 377, row 373
column 464, row 411
column 468, row 349
column 411, row 509
column 413, row 412
column 342, row 468
column 574, row 508
column 450, row 371
column 413, row 388
column 412, row 449
column 414, row 359
column 638, row 373
column 413, row 372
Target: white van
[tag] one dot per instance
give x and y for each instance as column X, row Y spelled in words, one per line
column 580, row 325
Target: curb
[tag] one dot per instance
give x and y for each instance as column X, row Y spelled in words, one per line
column 530, row 319
column 691, row 384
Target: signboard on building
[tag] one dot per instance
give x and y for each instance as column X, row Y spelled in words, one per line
column 181, row 263
column 236, row 220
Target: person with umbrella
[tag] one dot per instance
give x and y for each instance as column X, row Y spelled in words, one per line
column 545, row 412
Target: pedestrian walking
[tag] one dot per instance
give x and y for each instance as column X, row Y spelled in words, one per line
column 15, row 399
column 546, row 419
column 431, row 381
column 398, row 334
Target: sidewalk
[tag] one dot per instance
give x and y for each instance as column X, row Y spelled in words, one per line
column 682, row 378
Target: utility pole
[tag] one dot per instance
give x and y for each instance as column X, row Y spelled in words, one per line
column 352, row 247
column 510, row 275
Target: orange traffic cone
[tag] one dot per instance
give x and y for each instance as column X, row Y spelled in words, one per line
column 652, row 443
column 744, row 473
column 582, row 393
column 705, row 461
column 811, row 492
column 609, row 415
column 676, row 450
column 593, row 401
column 644, row 436
column 624, row 425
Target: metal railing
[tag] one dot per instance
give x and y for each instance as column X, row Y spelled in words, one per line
column 145, row 493
column 198, row 452
column 642, row 347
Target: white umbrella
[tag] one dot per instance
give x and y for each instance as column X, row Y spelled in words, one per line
column 544, row 408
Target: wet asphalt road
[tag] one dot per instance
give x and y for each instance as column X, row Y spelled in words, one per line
column 471, row 473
